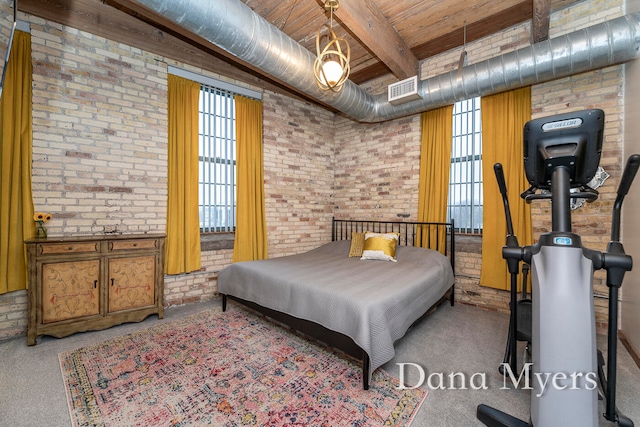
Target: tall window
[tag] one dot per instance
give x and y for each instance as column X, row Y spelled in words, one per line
column 217, row 175
column 465, row 179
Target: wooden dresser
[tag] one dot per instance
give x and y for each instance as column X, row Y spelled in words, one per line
column 94, row 282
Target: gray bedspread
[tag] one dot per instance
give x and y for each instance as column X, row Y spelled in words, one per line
column 372, row 302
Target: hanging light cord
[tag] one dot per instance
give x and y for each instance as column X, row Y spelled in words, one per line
column 462, row 62
column 288, row 15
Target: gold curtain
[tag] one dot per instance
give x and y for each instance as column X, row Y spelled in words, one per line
column 251, row 224
column 16, row 209
column 503, row 118
column 435, row 162
column 182, row 247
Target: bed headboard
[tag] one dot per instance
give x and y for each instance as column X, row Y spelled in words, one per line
column 439, row 236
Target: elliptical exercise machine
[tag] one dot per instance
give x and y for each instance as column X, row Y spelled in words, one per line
column 562, row 154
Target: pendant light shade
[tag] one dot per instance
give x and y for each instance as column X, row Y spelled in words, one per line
column 331, row 66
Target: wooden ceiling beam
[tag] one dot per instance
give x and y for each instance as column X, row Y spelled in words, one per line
column 364, row 20
column 475, row 31
column 541, row 17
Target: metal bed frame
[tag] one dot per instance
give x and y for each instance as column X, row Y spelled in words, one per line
column 341, row 229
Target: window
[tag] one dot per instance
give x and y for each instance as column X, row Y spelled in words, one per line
column 217, row 160
column 465, row 179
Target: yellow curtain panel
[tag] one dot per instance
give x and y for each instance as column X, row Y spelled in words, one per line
column 182, row 245
column 251, row 224
column 16, row 209
column 435, row 163
column 503, row 118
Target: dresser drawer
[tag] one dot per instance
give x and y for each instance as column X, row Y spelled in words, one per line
column 122, row 245
column 69, row 247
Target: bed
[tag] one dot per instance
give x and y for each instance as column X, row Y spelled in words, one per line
column 360, row 307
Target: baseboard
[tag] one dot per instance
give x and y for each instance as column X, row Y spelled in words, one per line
column 484, row 307
column 635, row 354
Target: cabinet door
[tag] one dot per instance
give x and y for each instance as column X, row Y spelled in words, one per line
column 70, row 290
column 131, row 282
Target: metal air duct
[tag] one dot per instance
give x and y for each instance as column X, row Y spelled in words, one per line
column 234, row 27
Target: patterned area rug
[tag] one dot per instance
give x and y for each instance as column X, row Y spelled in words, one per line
column 226, row 369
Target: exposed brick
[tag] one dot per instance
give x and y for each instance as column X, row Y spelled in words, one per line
column 120, row 190
column 78, row 154
column 100, row 151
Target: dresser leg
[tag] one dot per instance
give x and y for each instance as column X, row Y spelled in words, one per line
column 31, row 338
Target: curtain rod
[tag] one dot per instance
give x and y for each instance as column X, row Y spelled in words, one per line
column 214, row 82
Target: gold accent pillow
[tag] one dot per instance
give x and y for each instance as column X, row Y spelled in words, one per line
column 357, row 242
column 380, row 246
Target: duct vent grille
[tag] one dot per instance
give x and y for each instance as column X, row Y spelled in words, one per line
column 404, row 91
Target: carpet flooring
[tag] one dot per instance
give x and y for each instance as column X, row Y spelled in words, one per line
column 453, row 339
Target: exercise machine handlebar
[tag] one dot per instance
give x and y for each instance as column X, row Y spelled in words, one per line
column 497, row 168
column 629, row 174
column 617, row 263
column 630, row 170
column 512, row 251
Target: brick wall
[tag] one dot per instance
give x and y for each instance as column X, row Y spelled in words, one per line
column 100, row 155
column 200, row 285
column 99, row 133
column 298, row 174
column 100, row 152
column 13, row 314
column 377, row 169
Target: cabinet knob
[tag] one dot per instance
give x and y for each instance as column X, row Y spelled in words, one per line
column 112, row 279
column 95, row 284
column 135, row 244
column 70, row 248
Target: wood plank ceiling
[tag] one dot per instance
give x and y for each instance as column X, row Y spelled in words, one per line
column 385, row 36
column 373, row 27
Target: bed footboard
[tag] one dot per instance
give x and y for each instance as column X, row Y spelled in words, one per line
column 331, row 338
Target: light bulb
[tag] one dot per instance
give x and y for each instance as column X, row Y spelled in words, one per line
column 332, row 71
